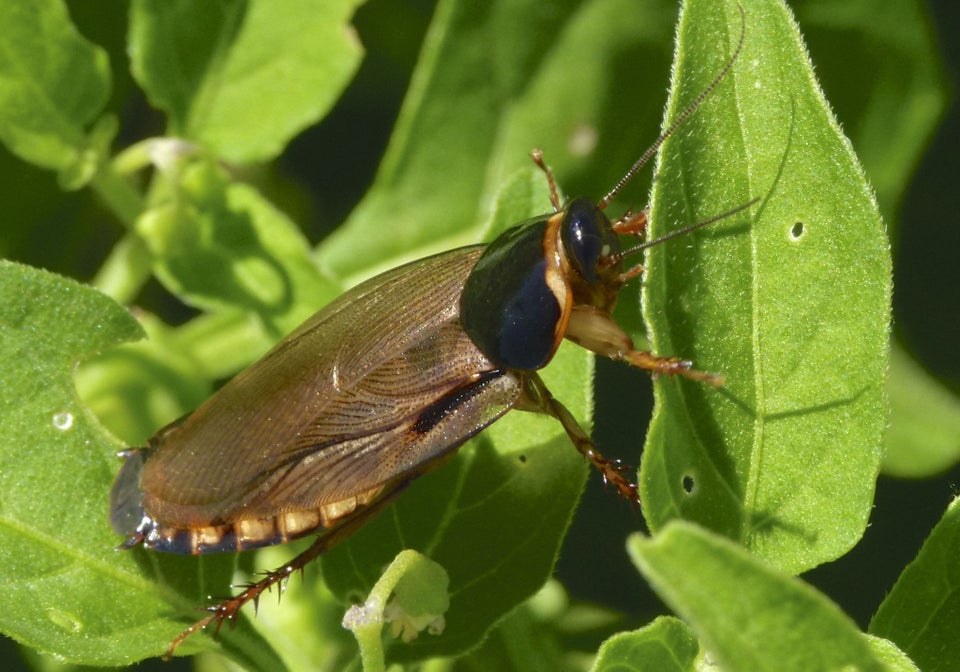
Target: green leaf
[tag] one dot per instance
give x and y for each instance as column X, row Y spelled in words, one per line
column 77, row 597
column 790, row 302
column 893, row 659
column 922, row 612
column 748, row 615
column 494, row 81
column 219, row 244
column 664, row 645
column 924, row 434
column 136, row 387
column 222, row 69
column 58, row 567
column 53, row 83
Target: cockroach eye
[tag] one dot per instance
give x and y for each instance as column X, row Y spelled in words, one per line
column 587, row 237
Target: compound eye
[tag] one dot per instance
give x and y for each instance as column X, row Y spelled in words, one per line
column 587, row 237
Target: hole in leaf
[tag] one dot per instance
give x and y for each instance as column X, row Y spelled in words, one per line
column 522, row 458
column 689, row 485
column 797, row 231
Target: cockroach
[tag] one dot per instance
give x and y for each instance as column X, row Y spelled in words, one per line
column 385, row 383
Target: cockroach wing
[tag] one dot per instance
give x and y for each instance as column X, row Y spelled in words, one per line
column 371, row 391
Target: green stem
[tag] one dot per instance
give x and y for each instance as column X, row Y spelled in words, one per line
column 124, row 272
column 122, row 199
column 128, row 267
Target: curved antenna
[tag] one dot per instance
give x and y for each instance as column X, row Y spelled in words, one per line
column 685, row 230
column 682, row 117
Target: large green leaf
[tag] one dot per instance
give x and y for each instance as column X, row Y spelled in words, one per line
column 922, row 612
column 790, row 302
column 53, row 83
column 220, row 69
column 494, row 81
column 748, row 616
column 76, row 596
column 219, row 244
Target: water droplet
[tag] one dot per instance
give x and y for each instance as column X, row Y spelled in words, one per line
column 63, row 420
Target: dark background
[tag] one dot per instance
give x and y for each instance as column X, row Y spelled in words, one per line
column 926, row 296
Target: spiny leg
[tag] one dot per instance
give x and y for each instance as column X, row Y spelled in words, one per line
column 538, row 399
column 228, row 608
column 671, row 366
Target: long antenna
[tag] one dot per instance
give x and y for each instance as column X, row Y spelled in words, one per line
column 682, row 117
column 687, row 229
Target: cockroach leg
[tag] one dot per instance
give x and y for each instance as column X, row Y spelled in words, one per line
column 671, row 366
column 631, row 223
column 228, row 608
column 538, row 399
column 630, row 273
column 596, row 330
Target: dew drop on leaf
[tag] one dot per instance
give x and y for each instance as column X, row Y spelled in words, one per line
column 63, row 420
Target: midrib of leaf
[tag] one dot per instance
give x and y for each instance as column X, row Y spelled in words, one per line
column 450, row 513
column 105, row 569
column 423, row 74
column 517, row 551
column 759, row 390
